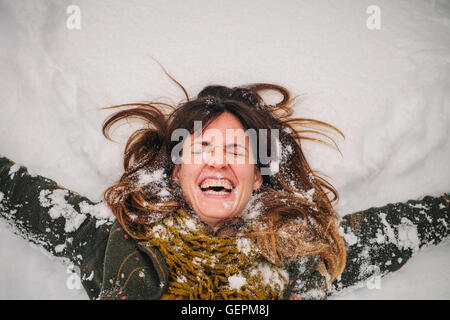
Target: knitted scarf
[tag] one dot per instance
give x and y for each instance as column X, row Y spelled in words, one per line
column 203, row 266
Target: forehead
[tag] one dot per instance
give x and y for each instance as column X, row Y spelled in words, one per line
column 225, row 127
column 225, row 121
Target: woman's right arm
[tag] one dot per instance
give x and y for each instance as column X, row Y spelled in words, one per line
column 61, row 221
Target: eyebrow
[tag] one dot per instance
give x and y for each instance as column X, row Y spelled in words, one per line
column 205, row 143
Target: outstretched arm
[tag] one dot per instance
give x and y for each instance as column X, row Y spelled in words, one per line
column 381, row 240
column 61, row 221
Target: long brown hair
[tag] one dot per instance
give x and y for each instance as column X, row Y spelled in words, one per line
column 297, row 217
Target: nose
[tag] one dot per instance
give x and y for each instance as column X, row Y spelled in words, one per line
column 217, row 158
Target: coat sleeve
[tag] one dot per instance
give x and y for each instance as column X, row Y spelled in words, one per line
column 59, row 220
column 381, row 240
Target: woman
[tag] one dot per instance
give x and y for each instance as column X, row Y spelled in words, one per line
column 203, row 211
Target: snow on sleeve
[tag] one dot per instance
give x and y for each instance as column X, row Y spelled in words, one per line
column 419, row 206
column 349, row 237
column 60, row 247
column 45, row 203
column 404, row 235
column 88, row 278
column 13, row 169
column 407, row 235
column 2, row 196
column 59, row 207
column 388, row 231
column 100, row 211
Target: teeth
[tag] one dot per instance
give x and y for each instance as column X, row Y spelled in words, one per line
column 216, row 183
column 215, row 192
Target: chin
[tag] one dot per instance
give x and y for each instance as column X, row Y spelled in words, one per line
column 213, row 217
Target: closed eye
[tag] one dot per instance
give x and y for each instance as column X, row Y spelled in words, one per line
column 236, row 153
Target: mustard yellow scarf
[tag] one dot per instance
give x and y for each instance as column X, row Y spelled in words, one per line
column 203, row 266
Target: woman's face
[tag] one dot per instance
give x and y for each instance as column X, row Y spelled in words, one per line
column 217, row 174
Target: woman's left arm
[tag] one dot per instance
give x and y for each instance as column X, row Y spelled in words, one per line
column 381, row 240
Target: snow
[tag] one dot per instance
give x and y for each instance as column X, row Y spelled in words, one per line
column 100, row 211
column 181, row 278
column 253, row 207
column 244, row 245
column 388, row 230
column 90, row 277
column 191, row 224
column 388, row 90
column 60, row 247
column 405, row 236
column 408, row 236
column 349, row 237
column 146, row 178
column 269, row 276
column 59, row 207
column 13, row 170
column 164, row 193
column 237, row 281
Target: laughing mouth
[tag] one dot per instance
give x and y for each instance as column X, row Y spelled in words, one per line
column 216, row 186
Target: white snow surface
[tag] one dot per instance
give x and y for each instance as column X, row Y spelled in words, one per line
column 388, row 90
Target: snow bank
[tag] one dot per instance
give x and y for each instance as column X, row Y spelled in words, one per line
column 388, row 90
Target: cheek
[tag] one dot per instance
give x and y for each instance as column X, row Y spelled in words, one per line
column 246, row 174
column 187, row 174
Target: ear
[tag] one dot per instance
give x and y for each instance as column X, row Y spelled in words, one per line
column 258, row 179
column 175, row 173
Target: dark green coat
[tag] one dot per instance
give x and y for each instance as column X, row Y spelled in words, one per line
column 114, row 266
